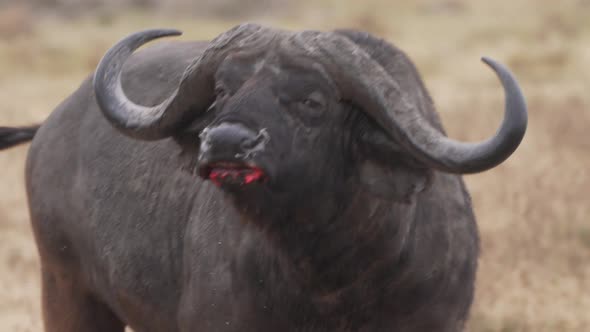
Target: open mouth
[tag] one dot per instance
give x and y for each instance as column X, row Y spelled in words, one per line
column 232, row 173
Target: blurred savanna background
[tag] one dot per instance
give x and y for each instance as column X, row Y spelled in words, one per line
column 533, row 210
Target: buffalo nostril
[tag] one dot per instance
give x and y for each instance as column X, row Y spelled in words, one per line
column 251, row 146
column 256, row 143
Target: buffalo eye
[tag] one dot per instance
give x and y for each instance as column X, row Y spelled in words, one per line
column 220, row 91
column 314, row 101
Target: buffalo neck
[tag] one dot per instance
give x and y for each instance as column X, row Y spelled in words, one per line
column 338, row 249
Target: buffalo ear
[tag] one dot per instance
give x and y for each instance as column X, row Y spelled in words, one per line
column 398, row 182
column 189, row 141
column 386, row 170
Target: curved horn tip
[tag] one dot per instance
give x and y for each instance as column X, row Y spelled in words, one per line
column 151, row 34
column 165, row 32
column 162, row 32
column 487, row 60
column 495, row 65
column 144, row 36
column 508, row 81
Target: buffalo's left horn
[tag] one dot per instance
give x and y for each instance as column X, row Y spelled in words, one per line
column 366, row 82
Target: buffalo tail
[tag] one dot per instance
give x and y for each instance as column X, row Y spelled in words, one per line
column 10, row 137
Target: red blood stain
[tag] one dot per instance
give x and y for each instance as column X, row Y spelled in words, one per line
column 244, row 175
column 254, row 175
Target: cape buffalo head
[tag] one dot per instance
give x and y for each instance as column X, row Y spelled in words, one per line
column 291, row 115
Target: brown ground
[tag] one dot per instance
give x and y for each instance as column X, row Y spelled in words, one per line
column 533, row 210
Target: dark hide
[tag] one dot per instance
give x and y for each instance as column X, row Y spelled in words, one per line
column 344, row 236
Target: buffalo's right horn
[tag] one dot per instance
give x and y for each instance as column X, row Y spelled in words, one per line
column 194, row 92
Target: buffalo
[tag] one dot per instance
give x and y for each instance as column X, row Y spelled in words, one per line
column 266, row 180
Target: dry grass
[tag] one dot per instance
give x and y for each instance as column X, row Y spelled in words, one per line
column 533, row 210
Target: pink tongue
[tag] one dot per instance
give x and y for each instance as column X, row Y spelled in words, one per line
column 245, row 176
